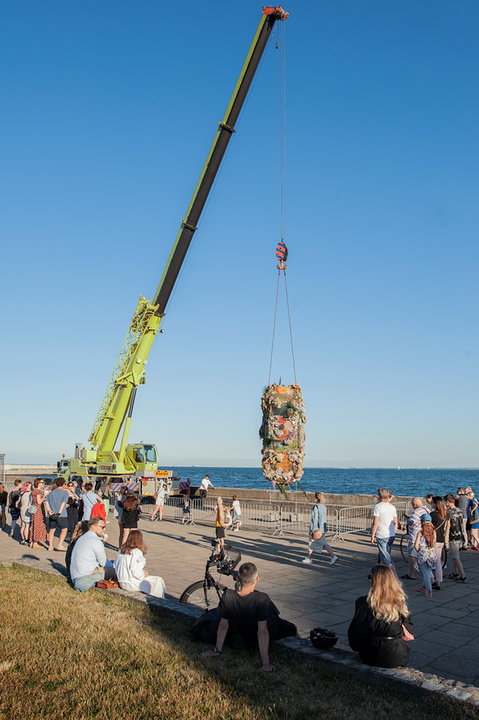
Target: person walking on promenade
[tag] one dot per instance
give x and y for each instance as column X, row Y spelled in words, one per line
column 205, row 484
column 413, row 527
column 220, row 523
column 382, row 622
column 455, row 539
column 425, row 545
column 13, row 508
column 317, row 532
column 159, row 502
column 440, row 520
column 38, row 528
column 384, row 527
column 473, row 518
column 23, row 505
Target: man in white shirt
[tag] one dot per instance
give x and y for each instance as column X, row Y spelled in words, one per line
column 384, row 527
column 89, row 557
column 205, row 484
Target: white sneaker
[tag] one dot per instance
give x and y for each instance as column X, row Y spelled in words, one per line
column 333, row 559
column 307, row 561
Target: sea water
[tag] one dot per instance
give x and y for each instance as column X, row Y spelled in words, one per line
column 350, row 481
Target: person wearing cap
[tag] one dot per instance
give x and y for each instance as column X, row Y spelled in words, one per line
column 413, row 527
column 425, row 546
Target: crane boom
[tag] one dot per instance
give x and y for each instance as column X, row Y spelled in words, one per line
column 223, row 135
column 129, row 372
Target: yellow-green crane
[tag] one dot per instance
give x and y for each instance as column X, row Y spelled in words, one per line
column 113, row 421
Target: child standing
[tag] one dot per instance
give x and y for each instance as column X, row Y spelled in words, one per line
column 186, row 519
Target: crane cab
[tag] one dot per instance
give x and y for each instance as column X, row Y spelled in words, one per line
column 143, row 457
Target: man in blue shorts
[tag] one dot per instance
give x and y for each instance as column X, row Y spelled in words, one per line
column 57, row 516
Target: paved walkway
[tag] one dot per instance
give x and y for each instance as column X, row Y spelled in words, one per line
column 446, row 627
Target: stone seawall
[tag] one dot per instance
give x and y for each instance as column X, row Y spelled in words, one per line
column 295, row 496
column 252, row 495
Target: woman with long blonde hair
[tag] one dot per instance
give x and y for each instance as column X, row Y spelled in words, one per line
column 382, row 625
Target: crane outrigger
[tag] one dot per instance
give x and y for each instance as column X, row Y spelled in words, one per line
column 113, row 421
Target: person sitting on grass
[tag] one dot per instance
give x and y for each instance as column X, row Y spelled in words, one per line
column 80, row 529
column 252, row 615
column 382, row 622
column 130, row 568
column 88, row 561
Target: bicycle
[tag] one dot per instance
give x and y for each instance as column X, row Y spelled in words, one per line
column 208, row 591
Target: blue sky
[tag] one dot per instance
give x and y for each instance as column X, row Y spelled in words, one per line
column 108, row 112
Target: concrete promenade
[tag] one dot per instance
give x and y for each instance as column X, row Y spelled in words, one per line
column 446, row 627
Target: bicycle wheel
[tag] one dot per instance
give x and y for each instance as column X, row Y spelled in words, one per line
column 403, row 547
column 201, row 596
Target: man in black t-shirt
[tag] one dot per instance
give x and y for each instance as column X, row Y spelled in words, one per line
column 252, row 614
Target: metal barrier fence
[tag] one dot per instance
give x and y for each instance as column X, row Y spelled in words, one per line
column 358, row 519
column 276, row 518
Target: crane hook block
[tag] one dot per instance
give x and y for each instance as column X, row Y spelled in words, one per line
column 277, row 11
column 281, row 254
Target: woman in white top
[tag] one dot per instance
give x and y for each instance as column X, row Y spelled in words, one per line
column 130, row 567
column 236, row 514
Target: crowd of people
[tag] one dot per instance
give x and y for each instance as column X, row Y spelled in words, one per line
column 449, row 521
column 381, row 627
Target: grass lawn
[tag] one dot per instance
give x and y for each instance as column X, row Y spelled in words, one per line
column 95, row 655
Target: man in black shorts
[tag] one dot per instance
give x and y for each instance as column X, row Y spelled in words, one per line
column 252, row 615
